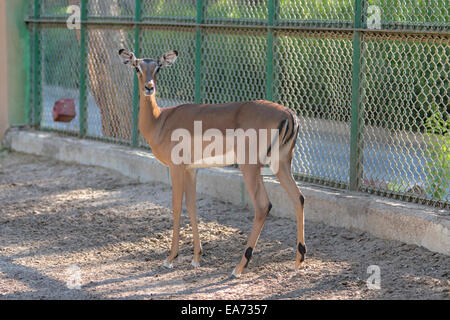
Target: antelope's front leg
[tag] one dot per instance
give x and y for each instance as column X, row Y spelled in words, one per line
column 177, row 177
column 190, row 191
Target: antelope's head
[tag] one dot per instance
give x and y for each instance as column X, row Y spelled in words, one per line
column 147, row 69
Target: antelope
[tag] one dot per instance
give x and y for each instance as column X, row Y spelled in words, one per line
column 157, row 126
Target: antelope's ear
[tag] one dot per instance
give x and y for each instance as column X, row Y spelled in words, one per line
column 168, row 58
column 128, row 57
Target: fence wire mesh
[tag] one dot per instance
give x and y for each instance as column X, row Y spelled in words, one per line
column 170, row 10
column 317, row 85
column 60, row 73
column 233, row 66
column 406, row 114
column 302, row 54
column 124, row 9
column 410, row 14
column 237, row 12
column 110, row 98
column 337, row 13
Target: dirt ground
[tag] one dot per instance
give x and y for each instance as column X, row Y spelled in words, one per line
column 63, row 225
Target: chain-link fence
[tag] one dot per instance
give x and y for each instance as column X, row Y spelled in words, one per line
column 367, row 78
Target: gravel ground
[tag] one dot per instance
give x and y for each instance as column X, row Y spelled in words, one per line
column 78, row 232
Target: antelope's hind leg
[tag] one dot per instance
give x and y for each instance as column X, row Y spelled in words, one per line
column 190, row 177
column 255, row 187
column 286, row 179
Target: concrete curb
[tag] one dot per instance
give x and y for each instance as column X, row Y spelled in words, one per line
column 384, row 218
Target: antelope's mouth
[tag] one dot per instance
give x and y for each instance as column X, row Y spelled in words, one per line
column 149, row 91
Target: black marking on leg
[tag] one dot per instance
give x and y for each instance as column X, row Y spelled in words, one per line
column 268, row 150
column 286, row 131
column 280, row 127
column 302, row 250
column 248, row 255
column 302, row 199
column 270, row 208
column 293, row 128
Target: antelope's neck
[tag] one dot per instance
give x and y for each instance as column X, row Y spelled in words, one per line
column 148, row 115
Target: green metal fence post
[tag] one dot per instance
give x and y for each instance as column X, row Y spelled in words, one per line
column 83, row 67
column 356, row 126
column 272, row 16
column 37, row 67
column 134, row 124
column 198, row 53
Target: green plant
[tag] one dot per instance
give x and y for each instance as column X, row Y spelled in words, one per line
column 396, row 185
column 437, row 168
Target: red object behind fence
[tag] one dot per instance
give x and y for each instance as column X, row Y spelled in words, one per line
column 64, row 110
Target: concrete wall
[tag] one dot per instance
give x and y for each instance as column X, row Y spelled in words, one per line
column 14, row 63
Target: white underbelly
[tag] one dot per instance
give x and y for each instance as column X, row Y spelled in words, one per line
column 226, row 159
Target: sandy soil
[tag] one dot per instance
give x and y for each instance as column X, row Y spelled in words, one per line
column 66, row 224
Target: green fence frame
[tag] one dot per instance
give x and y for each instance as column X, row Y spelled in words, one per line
column 272, row 26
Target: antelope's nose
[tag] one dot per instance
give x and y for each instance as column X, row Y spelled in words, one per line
column 149, row 88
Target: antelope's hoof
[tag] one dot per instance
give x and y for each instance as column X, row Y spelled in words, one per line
column 300, row 255
column 195, row 264
column 234, row 274
column 167, row 264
